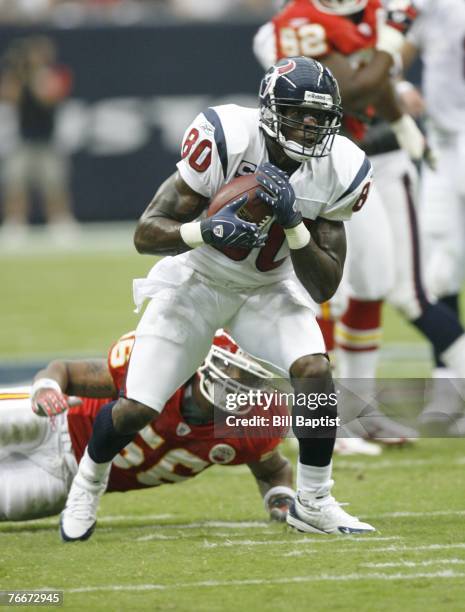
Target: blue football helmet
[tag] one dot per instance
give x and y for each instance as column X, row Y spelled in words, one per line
column 300, row 107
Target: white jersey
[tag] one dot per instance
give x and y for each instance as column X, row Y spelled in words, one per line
column 225, row 142
column 439, row 34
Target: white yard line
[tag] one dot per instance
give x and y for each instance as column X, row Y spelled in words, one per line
column 414, row 563
column 388, row 464
column 408, row 514
column 395, row 549
column 459, row 545
column 211, row 533
column 445, row 574
column 113, row 518
column 102, row 520
column 134, row 518
column 304, row 540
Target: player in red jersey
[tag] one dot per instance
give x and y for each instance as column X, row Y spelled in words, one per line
column 353, row 40
column 39, row 456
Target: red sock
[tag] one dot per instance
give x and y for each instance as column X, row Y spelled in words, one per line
column 358, row 337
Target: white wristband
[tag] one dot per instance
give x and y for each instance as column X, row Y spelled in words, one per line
column 389, row 40
column 280, row 490
column 402, row 87
column 409, row 136
column 191, row 234
column 45, row 383
column 297, row 237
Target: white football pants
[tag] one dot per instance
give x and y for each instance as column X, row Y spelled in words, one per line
column 274, row 323
column 442, row 215
column 37, row 464
column 383, row 246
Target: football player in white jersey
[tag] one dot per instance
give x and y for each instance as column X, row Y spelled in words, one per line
column 226, row 272
column 438, row 35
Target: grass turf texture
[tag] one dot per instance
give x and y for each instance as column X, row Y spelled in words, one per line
column 74, row 303
column 205, row 544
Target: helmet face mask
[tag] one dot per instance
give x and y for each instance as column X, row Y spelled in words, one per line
column 340, row 7
column 300, row 107
column 227, row 372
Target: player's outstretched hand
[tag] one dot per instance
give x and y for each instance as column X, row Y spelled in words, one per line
column 48, row 400
column 278, row 507
column 278, row 193
column 225, row 229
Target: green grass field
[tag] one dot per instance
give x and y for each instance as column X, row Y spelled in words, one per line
column 206, row 544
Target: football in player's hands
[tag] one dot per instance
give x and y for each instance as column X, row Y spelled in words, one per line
column 278, row 506
column 252, row 209
column 277, row 191
column 226, row 229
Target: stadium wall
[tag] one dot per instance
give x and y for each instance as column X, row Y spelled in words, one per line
column 135, row 91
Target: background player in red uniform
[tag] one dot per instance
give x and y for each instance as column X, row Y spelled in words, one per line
column 39, row 456
column 351, row 38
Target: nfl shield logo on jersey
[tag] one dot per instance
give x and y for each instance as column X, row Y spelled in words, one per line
column 221, row 453
column 218, row 231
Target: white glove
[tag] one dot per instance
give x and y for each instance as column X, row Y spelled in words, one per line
column 390, row 41
column 47, row 399
column 409, row 137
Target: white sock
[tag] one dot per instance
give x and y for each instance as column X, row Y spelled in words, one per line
column 92, row 471
column 454, row 357
column 310, row 478
column 361, row 364
column 446, row 395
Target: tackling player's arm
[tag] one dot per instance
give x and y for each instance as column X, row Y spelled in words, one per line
column 87, row 378
column 409, row 54
column 158, row 231
column 368, row 85
column 274, row 479
column 60, row 379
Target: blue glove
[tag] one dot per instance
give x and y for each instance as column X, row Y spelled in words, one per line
column 279, row 194
column 225, row 229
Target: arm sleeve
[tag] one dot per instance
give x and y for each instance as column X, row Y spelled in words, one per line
column 203, row 164
column 354, row 189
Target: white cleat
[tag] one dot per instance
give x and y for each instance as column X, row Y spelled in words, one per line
column 356, row 446
column 79, row 517
column 372, row 424
column 391, row 433
column 319, row 512
column 457, row 429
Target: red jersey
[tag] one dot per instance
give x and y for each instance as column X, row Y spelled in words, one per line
column 168, row 450
column 301, row 29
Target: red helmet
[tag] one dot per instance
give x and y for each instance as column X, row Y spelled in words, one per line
column 228, row 371
column 400, row 14
column 340, row 7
